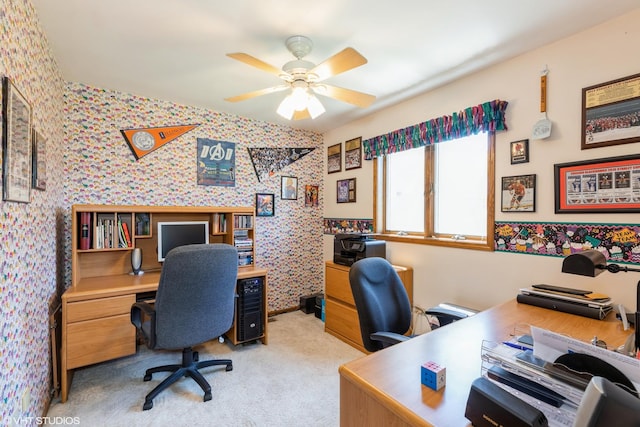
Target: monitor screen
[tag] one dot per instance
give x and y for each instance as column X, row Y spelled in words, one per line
column 174, row 234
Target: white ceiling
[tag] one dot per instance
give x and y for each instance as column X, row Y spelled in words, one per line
column 176, row 50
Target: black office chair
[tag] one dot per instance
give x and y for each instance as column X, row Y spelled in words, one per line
column 194, row 304
column 383, row 305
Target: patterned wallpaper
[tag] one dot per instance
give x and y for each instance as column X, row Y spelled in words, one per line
column 100, row 168
column 88, row 161
column 30, row 233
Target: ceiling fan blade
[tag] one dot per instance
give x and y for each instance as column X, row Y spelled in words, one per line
column 301, row 115
column 255, row 62
column 255, row 93
column 349, row 96
column 342, row 61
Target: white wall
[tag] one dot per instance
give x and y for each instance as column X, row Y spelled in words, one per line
column 482, row 279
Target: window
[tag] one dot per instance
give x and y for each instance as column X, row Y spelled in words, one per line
column 438, row 194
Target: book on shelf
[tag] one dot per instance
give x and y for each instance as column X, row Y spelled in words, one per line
column 243, row 221
column 85, row 230
column 127, row 235
column 124, row 239
column 219, row 223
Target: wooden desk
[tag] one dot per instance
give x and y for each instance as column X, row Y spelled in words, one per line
column 384, row 388
column 96, row 324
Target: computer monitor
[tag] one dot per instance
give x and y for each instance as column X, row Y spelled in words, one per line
column 605, row 404
column 180, row 233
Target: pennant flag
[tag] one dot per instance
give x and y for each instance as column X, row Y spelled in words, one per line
column 267, row 161
column 144, row 140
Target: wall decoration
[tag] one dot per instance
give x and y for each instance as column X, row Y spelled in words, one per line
column 353, row 154
column 142, row 141
column 334, row 158
column 39, row 161
column 311, row 196
column 601, row 185
column 268, row 161
column 265, row 204
column 346, row 190
column 618, row 242
column 520, row 151
column 519, row 193
column 347, row 225
column 611, row 113
column 289, row 188
column 16, row 141
column 216, row 163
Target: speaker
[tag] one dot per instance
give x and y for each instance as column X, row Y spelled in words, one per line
column 250, row 324
column 136, row 262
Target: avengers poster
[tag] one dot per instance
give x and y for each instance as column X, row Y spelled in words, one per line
column 216, row 163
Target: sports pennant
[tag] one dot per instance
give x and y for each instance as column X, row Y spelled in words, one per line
column 267, row 161
column 142, row 141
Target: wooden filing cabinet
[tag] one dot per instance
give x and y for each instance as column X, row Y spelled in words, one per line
column 341, row 317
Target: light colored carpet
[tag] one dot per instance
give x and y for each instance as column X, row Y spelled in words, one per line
column 292, row 381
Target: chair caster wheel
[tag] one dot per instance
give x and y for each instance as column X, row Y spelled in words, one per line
column 229, row 368
column 148, row 404
column 207, row 396
column 147, row 377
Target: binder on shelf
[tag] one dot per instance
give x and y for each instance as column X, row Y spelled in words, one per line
column 598, row 313
column 85, row 230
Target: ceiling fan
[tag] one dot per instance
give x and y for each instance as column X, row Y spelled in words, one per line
column 305, row 79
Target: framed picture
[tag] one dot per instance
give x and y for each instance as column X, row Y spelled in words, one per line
column 311, row 196
column 610, row 113
column 334, row 158
column 346, row 190
column 16, row 141
column 265, row 204
column 519, row 193
column 39, row 161
column 605, row 185
column 520, row 151
column 289, row 188
column 353, row 154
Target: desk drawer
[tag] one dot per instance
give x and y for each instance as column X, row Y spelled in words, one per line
column 343, row 320
column 98, row 308
column 337, row 285
column 99, row 340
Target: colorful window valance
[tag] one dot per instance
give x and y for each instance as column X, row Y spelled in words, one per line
column 486, row 117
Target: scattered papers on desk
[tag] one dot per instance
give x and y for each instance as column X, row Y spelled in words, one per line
column 549, row 346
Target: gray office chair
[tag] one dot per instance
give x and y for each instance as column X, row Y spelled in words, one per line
column 194, row 304
column 383, row 306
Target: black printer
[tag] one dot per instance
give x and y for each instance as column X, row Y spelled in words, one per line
column 351, row 247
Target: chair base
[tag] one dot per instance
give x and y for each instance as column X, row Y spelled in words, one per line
column 188, row 368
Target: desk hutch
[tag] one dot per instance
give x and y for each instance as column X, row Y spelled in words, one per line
column 96, row 324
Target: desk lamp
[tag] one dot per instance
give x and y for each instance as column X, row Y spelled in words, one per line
column 591, row 263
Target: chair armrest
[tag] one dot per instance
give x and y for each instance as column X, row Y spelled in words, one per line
column 388, row 338
column 445, row 315
column 137, row 311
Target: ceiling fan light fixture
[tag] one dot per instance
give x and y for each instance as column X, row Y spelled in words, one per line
column 299, row 98
column 314, row 106
column 286, row 108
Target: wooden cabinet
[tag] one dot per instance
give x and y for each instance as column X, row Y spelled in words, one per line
column 341, row 317
column 96, row 324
